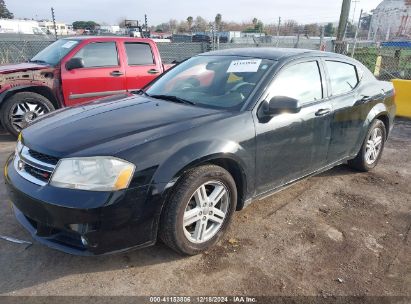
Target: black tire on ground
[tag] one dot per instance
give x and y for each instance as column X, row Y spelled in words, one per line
column 18, row 98
column 359, row 162
column 171, row 223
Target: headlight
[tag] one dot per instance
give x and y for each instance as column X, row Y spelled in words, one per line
column 93, row 173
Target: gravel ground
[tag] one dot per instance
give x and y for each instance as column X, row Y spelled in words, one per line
column 338, row 233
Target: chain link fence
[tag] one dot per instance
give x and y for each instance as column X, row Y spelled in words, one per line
column 20, row 51
column 386, row 60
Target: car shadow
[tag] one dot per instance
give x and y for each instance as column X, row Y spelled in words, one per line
column 338, row 170
column 38, row 264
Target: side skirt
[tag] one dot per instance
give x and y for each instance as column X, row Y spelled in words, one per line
column 268, row 193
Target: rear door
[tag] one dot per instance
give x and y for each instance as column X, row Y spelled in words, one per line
column 142, row 64
column 351, row 106
column 102, row 75
column 290, row 146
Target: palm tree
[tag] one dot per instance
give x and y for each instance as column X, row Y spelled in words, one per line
column 218, row 19
column 190, row 21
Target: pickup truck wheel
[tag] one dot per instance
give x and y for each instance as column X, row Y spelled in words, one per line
column 199, row 210
column 22, row 108
column 371, row 149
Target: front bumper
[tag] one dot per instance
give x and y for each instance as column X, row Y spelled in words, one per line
column 84, row 222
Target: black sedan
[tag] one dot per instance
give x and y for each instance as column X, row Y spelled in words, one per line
column 176, row 159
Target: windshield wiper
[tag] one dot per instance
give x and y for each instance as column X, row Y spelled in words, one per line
column 38, row 61
column 173, row 99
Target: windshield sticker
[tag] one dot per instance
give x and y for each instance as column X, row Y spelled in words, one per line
column 69, row 44
column 244, row 66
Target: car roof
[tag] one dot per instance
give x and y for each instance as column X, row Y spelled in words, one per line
column 105, row 38
column 272, row 53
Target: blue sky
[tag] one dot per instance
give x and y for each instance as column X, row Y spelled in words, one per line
column 111, row 11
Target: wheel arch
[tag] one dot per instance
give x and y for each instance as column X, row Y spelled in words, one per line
column 378, row 112
column 233, row 167
column 386, row 120
column 42, row 90
column 228, row 162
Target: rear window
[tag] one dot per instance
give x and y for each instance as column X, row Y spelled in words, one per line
column 343, row 77
column 139, row 54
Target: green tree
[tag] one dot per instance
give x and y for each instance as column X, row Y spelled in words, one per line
column 201, row 24
column 329, row 30
column 255, row 21
column 190, row 21
column 4, row 12
column 218, row 19
column 350, row 32
column 91, row 25
column 312, row 30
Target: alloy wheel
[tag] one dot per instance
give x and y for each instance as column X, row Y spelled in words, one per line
column 22, row 113
column 373, row 146
column 206, row 211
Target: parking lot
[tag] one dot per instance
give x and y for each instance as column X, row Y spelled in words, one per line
column 339, row 233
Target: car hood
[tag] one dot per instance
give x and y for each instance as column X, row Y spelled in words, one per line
column 22, row 67
column 108, row 126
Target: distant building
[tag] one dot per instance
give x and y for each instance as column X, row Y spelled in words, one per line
column 114, row 29
column 391, row 19
column 48, row 26
column 17, row 26
column 230, row 35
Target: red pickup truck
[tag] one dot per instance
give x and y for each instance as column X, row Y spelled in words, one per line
column 72, row 71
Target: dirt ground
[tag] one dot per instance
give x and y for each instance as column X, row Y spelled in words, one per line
column 339, row 233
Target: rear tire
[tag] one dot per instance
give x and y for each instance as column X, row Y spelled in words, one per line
column 371, row 149
column 22, row 108
column 199, row 210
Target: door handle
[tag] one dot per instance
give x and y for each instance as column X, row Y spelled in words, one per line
column 116, row 73
column 365, row 99
column 153, row 71
column 322, row 112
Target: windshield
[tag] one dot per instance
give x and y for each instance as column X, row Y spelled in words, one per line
column 213, row 81
column 55, row 52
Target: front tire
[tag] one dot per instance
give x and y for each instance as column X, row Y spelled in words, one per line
column 199, row 210
column 22, row 108
column 372, row 148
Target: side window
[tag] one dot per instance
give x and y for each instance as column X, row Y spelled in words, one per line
column 99, row 54
column 139, row 53
column 301, row 81
column 343, row 77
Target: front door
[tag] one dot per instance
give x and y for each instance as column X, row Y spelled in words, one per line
column 290, row 146
column 102, row 74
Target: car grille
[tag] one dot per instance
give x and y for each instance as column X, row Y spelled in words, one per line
column 37, row 173
column 43, row 157
column 34, row 166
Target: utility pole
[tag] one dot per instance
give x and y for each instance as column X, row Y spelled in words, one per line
column 54, row 22
column 146, row 33
column 342, row 26
column 322, row 46
column 355, row 8
column 356, row 34
column 278, row 31
column 370, row 28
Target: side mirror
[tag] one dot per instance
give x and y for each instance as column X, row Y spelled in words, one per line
column 74, row 63
column 281, row 104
